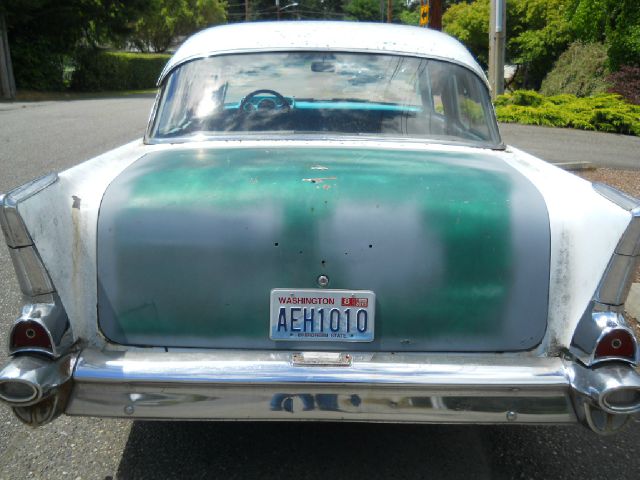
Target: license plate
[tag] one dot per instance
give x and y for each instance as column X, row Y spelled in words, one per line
column 322, row 315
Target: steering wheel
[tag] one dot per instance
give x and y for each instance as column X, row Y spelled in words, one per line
column 284, row 104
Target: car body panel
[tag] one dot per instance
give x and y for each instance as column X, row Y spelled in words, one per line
column 579, row 256
column 73, row 264
column 471, row 232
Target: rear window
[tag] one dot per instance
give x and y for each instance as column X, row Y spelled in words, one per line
column 320, row 93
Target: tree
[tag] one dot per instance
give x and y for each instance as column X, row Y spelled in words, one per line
column 537, row 32
column 44, row 33
column 614, row 22
column 168, row 19
column 364, row 10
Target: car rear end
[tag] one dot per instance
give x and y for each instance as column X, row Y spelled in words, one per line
column 254, row 260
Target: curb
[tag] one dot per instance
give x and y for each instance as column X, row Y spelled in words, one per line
column 575, row 166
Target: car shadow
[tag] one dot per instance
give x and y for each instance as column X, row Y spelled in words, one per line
column 347, row 450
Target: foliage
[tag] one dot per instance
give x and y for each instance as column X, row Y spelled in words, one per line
column 469, row 23
column 410, row 16
column 304, row 10
column 43, row 34
column 167, row 19
column 537, row 32
column 580, row 70
column 626, row 82
column 603, row 112
column 614, row 22
column 100, row 70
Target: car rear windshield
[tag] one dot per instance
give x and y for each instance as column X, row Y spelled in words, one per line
column 325, row 93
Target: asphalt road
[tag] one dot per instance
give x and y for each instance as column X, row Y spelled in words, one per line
column 36, row 138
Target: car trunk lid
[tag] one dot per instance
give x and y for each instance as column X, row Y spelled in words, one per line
column 454, row 243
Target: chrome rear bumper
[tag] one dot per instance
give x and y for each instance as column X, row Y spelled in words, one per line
column 268, row 386
column 382, row 387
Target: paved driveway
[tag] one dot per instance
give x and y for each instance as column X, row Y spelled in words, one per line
column 39, row 137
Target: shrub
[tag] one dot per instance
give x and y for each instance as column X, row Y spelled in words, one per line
column 36, row 66
column 99, row 70
column 626, row 82
column 603, row 112
column 581, row 70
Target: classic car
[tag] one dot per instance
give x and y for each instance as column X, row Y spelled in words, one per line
column 322, row 223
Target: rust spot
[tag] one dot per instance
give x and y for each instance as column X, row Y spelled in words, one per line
column 326, row 187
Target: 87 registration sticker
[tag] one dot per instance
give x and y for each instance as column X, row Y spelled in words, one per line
column 322, row 315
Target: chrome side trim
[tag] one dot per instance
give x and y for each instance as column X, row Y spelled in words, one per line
column 616, row 196
column 597, row 322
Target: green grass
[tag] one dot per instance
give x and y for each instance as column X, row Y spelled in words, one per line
column 603, row 112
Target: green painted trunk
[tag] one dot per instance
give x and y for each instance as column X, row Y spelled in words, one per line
column 455, row 246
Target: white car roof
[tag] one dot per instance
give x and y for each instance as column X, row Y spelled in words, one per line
column 336, row 36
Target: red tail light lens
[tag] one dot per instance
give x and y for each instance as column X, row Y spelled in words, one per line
column 30, row 334
column 616, row 343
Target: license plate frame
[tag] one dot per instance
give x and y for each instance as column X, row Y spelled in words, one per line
column 347, row 315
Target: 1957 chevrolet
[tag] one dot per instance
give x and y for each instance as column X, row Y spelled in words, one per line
column 322, row 223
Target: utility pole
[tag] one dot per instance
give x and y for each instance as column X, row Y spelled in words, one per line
column 435, row 14
column 247, row 10
column 278, row 8
column 389, row 11
column 7, row 82
column 497, row 41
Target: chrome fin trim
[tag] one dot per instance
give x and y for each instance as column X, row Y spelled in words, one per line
column 32, row 275
column 14, row 229
column 616, row 281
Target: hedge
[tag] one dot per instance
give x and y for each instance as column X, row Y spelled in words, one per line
column 100, row 70
column 604, row 112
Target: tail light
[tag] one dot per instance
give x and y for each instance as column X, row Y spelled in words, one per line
column 616, row 344
column 40, row 329
column 32, row 335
